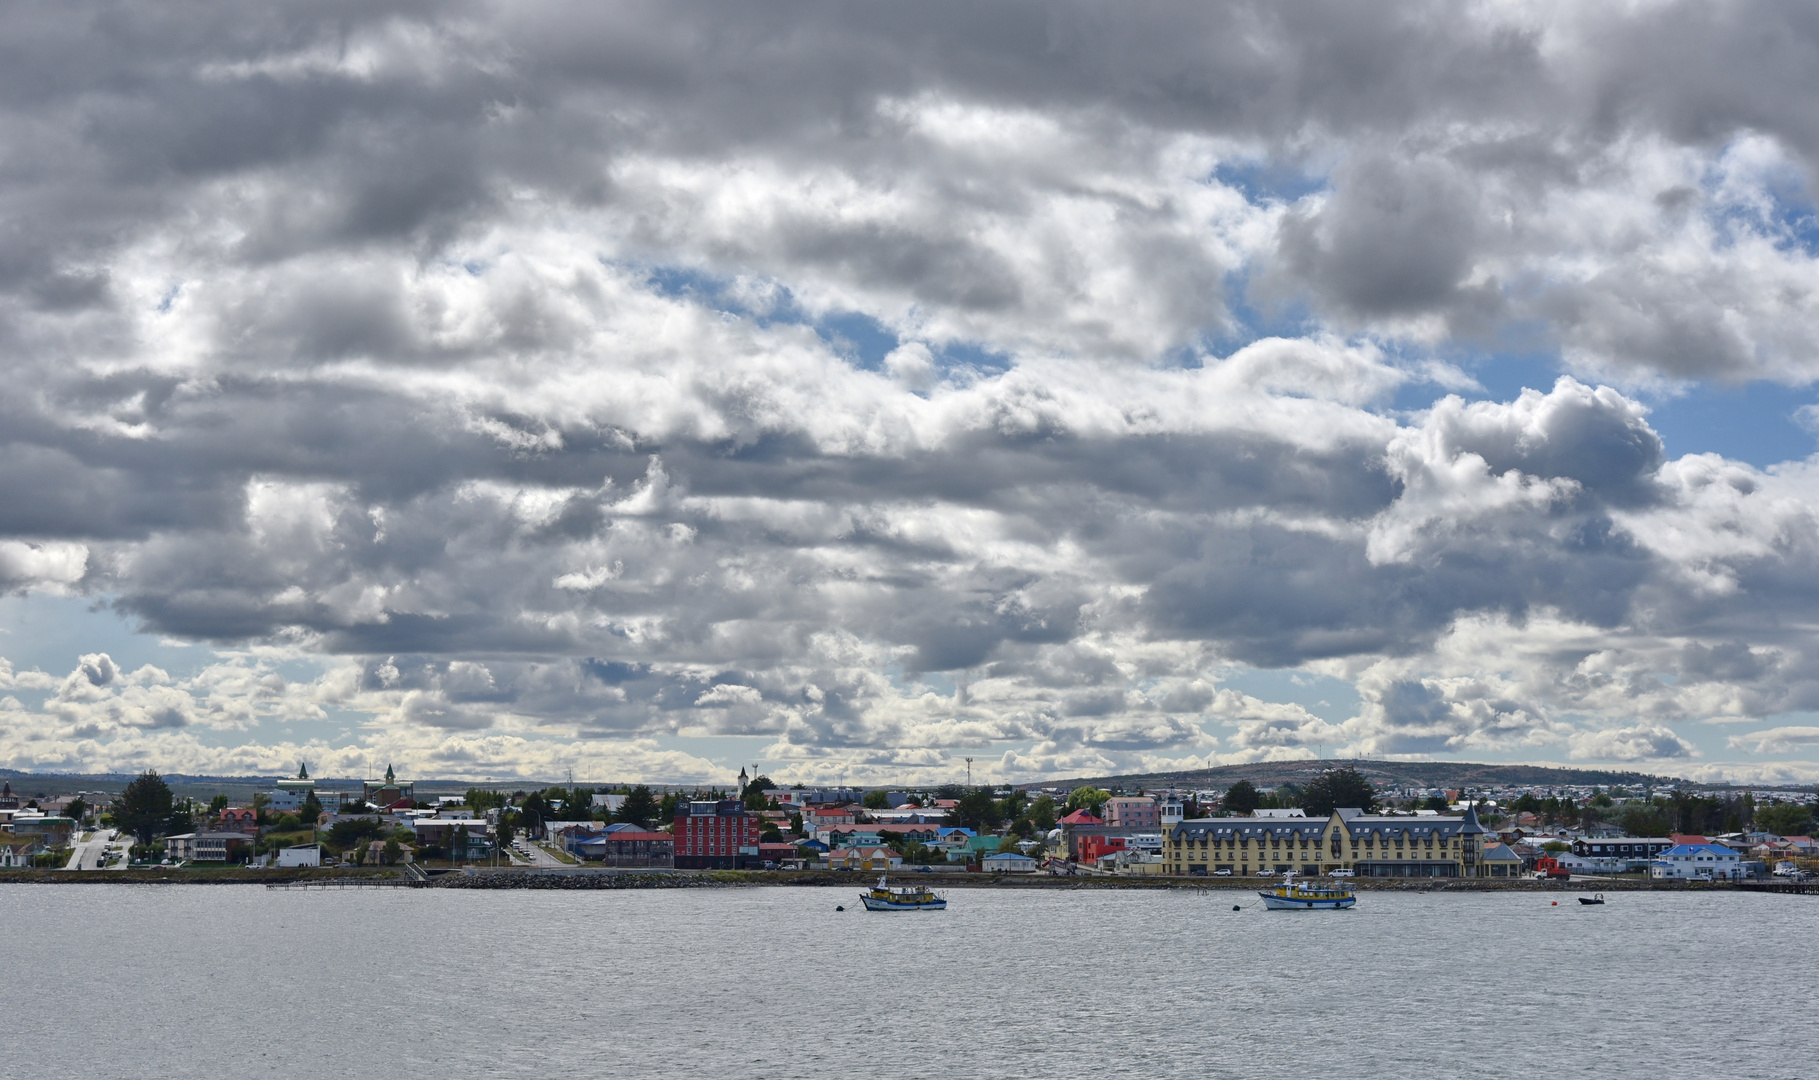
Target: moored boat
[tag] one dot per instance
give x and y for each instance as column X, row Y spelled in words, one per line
column 882, row 897
column 1294, row 895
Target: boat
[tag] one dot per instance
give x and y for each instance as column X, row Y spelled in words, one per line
column 882, row 897
column 1599, row 899
column 1294, row 895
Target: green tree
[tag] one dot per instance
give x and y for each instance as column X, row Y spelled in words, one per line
column 77, row 810
column 975, row 810
column 217, row 804
column 1042, row 813
column 1785, row 819
column 1436, row 803
column 770, row 834
column 1090, row 799
column 143, row 807
column 640, row 807
column 260, row 801
column 1644, row 819
column 391, row 853
column 312, row 810
column 182, row 819
column 1009, row 843
column 796, row 827
column 875, row 800
column 1336, row 788
column 1012, row 806
column 1241, row 799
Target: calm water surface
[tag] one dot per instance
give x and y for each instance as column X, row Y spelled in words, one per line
column 233, row 982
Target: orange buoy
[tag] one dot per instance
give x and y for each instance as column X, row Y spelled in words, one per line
column 1554, row 904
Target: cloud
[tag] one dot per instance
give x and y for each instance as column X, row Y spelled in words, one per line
column 705, row 370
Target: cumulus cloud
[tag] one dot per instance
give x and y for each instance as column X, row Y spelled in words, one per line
column 554, row 379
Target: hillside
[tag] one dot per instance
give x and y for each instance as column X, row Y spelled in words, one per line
column 1384, row 774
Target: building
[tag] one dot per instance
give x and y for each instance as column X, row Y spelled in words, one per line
column 221, row 847
column 830, row 815
column 389, row 792
column 873, row 859
column 47, row 831
column 1170, row 812
column 716, row 836
column 1132, row 812
column 1080, row 817
column 15, row 854
column 464, row 839
column 1695, row 862
column 851, row 835
column 1628, row 849
column 625, row 845
column 301, row 855
column 1008, row 862
column 1500, row 860
column 241, row 819
column 1366, row 844
column 8, row 801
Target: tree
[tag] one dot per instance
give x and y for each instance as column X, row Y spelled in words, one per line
column 1012, row 806
column 771, row 834
column 391, row 852
column 260, row 801
column 1090, row 799
column 1336, row 788
column 143, row 807
column 1242, row 799
column 640, row 807
column 1042, row 813
column 76, row 810
column 1644, row 819
column 796, row 827
column 1436, row 803
column 975, row 810
column 875, row 800
column 312, row 810
column 217, row 804
column 1785, row 819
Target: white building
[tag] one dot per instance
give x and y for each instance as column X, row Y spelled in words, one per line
column 1694, row 862
column 301, row 855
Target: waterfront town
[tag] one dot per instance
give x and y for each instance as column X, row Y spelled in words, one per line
column 1337, row 825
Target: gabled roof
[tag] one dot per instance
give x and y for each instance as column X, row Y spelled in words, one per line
column 1081, row 817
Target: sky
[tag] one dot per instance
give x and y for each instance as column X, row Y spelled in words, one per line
column 638, row 391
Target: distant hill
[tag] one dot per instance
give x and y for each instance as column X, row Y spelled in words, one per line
column 1384, row 774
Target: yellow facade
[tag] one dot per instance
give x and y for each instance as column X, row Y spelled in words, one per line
column 1367, row 845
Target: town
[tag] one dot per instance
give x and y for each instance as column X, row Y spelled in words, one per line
column 1336, row 825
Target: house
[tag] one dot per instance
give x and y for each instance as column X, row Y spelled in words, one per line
column 1802, row 844
column 47, row 830
column 853, row 835
column 15, row 854
column 1093, row 847
column 1500, row 860
column 1080, row 817
column 219, row 847
column 917, row 833
column 1008, row 862
column 8, row 801
column 872, row 859
column 830, row 815
column 390, row 791
column 300, row 855
column 464, row 839
column 784, row 855
column 1132, row 812
column 241, row 819
column 625, row 844
column 1693, row 862
column 1637, row 849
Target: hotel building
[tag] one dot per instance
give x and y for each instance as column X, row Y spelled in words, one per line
column 1369, row 845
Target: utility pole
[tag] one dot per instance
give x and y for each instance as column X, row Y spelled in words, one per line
column 969, row 772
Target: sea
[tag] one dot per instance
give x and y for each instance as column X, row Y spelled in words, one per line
column 233, row 982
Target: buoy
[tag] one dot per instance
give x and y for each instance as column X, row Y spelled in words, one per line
column 1554, row 904
column 1237, row 907
column 839, row 907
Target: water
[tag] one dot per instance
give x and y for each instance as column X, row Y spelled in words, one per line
column 234, row 982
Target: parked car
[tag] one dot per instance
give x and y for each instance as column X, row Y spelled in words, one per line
column 1340, row 873
column 1222, row 873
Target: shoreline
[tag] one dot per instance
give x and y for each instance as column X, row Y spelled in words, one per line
column 603, row 878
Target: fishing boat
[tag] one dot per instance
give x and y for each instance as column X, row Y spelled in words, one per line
column 1599, row 899
column 882, row 897
column 1294, row 895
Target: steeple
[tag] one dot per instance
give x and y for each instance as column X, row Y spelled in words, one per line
column 1471, row 826
column 302, row 771
column 388, row 774
column 743, row 780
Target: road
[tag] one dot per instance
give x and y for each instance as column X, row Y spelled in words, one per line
column 537, row 855
column 91, row 853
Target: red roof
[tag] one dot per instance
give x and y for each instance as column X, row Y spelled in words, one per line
column 1081, row 817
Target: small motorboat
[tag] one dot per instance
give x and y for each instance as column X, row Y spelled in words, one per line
column 1598, row 899
column 881, row 897
column 1294, row 895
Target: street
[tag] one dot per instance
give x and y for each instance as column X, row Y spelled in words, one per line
column 91, row 853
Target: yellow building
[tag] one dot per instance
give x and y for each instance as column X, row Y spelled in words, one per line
column 1369, row 845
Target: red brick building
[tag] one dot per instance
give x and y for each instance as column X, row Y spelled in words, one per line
column 716, row 836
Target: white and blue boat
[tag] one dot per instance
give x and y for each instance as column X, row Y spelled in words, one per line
column 1294, row 895
column 881, row 897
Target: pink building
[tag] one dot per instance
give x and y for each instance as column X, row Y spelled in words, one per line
column 1128, row 812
